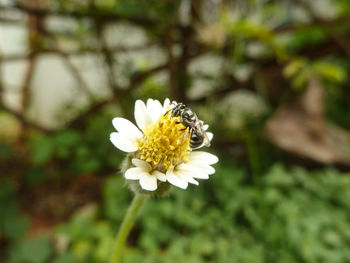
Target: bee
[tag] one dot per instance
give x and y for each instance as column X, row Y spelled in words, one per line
column 190, row 120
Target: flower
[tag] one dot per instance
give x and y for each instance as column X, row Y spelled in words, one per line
column 160, row 147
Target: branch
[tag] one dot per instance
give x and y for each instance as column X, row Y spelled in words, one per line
column 108, row 58
column 288, row 27
column 23, row 119
column 101, row 15
column 79, row 52
column 5, row 20
column 75, row 73
column 136, row 79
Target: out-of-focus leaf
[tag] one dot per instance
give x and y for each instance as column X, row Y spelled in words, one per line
column 8, row 206
column 330, row 71
column 16, row 227
column 43, row 149
column 294, row 67
column 301, row 128
column 34, row 177
column 306, row 37
column 82, row 250
column 31, row 251
column 64, row 258
column 5, row 150
column 68, row 138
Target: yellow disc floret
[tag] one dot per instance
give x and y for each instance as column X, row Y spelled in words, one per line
column 165, row 143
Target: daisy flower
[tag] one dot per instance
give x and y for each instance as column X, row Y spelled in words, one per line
column 160, row 148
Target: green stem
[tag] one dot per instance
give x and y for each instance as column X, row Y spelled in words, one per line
column 128, row 222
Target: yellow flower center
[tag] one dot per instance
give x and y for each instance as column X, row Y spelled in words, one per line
column 166, row 143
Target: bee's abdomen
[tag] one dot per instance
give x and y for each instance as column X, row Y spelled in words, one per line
column 195, row 141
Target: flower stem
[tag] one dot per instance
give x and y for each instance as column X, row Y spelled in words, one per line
column 128, row 222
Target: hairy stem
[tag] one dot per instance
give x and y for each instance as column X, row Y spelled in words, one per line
column 127, row 224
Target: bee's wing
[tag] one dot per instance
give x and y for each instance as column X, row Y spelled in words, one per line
column 206, row 140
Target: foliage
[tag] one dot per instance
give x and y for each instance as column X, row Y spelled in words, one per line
column 14, row 225
column 291, row 216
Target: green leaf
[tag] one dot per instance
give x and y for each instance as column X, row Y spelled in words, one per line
column 5, row 150
column 330, row 71
column 16, row 227
column 43, row 150
column 31, row 251
column 35, row 177
column 68, row 138
column 64, row 258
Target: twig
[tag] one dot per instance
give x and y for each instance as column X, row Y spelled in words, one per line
column 84, row 51
column 288, row 27
column 136, row 79
column 4, row 20
column 24, row 120
column 101, row 15
column 169, row 41
column 108, row 57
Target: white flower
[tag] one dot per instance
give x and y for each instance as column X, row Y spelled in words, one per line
column 160, row 147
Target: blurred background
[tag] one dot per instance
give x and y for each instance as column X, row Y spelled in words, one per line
column 270, row 77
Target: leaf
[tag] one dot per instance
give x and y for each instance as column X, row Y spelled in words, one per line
column 64, row 258
column 43, row 150
column 68, row 138
column 16, row 227
column 34, row 177
column 294, row 67
column 330, row 71
column 8, row 206
column 31, row 251
column 5, row 150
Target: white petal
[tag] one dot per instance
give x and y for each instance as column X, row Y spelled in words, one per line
column 155, row 109
column 165, row 105
column 148, row 182
column 160, row 176
column 158, row 106
column 204, row 157
column 127, row 128
column 210, row 135
column 176, row 180
column 192, row 181
column 194, row 171
column 133, row 173
column 202, row 166
column 149, row 104
column 142, row 164
column 123, row 143
column 186, row 176
column 142, row 117
column 205, row 127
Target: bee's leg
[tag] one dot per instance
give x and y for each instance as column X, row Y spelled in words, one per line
column 167, row 112
column 189, row 132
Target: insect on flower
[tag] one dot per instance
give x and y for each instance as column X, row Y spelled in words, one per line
column 190, row 120
column 160, row 147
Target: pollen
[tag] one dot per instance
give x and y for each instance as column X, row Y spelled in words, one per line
column 165, row 143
